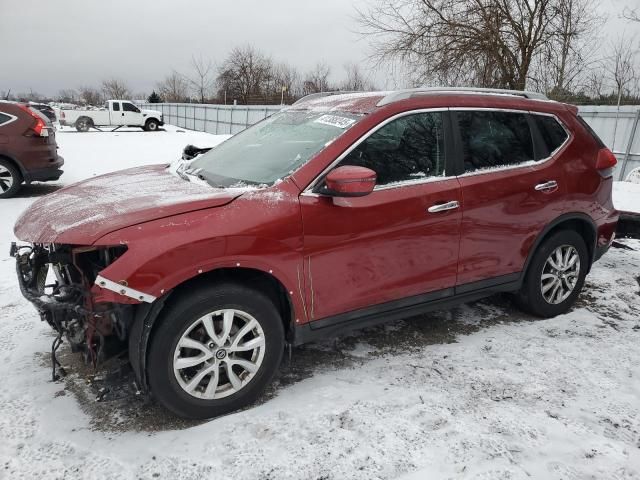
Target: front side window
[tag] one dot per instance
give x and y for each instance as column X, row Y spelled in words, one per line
column 271, row 149
column 408, row 148
column 129, row 107
column 494, row 139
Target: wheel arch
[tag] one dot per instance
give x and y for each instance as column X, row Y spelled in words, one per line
column 144, row 324
column 259, row 279
column 578, row 222
column 15, row 163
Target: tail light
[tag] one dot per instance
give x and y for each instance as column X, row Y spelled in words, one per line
column 605, row 162
column 39, row 129
column 62, row 115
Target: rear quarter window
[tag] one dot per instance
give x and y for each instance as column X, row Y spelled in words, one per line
column 553, row 134
column 4, row 118
column 588, row 128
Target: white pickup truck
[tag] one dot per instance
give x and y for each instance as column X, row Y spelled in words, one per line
column 116, row 113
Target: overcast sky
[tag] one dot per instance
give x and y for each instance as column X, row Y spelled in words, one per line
column 48, row 45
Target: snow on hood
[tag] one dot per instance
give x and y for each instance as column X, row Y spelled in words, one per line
column 82, row 213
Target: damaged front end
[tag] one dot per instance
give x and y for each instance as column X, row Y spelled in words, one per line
column 57, row 280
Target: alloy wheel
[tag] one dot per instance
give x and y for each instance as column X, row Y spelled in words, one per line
column 560, row 274
column 219, row 354
column 6, row 179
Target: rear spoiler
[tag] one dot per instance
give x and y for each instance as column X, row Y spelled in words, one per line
column 572, row 108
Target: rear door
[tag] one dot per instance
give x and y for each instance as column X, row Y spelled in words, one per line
column 391, row 244
column 511, row 187
column 117, row 115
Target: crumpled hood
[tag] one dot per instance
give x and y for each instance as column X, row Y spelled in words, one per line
column 82, row 213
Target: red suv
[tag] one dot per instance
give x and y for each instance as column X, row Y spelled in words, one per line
column 338, row 212
column 28, row 150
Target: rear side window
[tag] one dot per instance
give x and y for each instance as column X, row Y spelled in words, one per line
column 4, row 118
column 552, row 132
column 408, row 148
column 116, row 107
column 494, row 139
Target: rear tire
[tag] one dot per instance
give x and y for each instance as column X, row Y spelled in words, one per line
column 83, row 124
column 10, row 179
column 151, row 125
column 556, row 275
column 193, row 346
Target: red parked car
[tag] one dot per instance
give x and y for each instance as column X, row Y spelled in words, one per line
column 338, row 212
column 28, row 149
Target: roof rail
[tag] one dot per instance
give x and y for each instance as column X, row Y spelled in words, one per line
column 412, row 92
column 313, row 96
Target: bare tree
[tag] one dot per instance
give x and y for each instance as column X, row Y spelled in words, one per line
column 68, row 95
column 244, row 74
column 317, row 80
column 285, row 81
column 621, row 65
column 174, row 88
column 595, row 81
column 632, row 14
column 570, row 52
column 90, row 95
column 202, row 79
column 355, row 80
column 483, row 42
column 115, row 88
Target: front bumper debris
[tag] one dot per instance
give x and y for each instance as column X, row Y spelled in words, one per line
column 67, row 304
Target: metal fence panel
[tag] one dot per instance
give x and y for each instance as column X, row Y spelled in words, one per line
column 216, row 119
column 619, row 130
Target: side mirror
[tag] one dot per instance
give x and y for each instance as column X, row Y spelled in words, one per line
column 191, row 151
column 350, row 181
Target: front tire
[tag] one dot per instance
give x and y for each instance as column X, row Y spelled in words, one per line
column 556, row 275
column 10, row 179
column 215, row 350
column 151, row 125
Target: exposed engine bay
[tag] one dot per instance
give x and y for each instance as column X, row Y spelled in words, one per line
column 57, row 280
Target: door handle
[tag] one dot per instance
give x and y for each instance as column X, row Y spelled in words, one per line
column 442, row 207
column 550, row 185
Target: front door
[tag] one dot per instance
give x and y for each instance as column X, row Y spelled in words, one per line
column 395, row 243
column 131, row 114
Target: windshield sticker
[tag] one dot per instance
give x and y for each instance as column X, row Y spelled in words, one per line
column 335, row 121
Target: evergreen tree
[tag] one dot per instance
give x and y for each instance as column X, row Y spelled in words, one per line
column 154, row 98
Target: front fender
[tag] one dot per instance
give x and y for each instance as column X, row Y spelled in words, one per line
column 165, row 253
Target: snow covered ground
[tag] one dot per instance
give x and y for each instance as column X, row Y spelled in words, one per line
column 477, row 392
column 626, row 196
